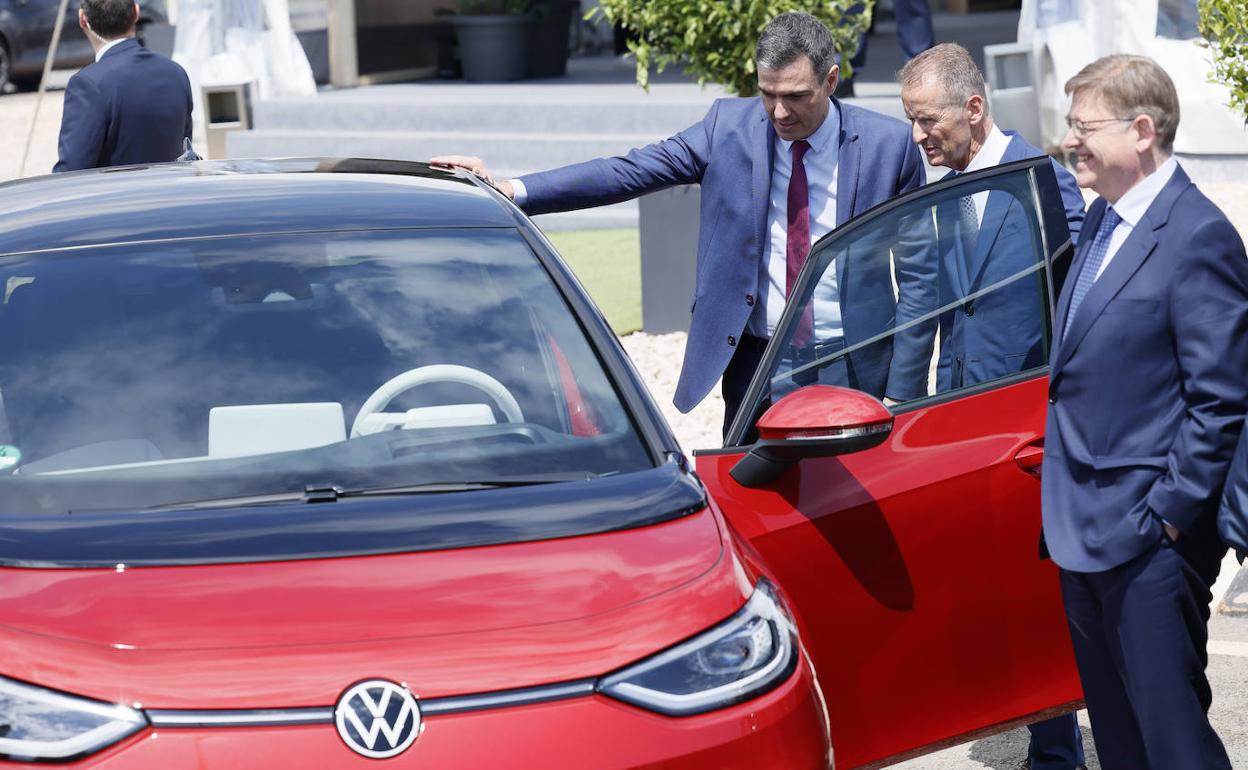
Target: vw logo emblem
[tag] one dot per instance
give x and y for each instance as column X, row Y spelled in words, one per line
column 378, row 719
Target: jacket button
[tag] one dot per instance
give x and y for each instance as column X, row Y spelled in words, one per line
column 732, row 341
column 1052, row 399
column 749, row 300
column 970, row 307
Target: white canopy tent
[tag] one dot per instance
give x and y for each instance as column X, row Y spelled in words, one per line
column 1065, row 35
column 228, row 42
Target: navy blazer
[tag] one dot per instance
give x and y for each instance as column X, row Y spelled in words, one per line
column 1147, row 387
column 730, row 154
column 132, row 106
column 989, row 337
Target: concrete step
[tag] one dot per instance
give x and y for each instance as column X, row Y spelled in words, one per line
column 506, row 153
column 657, row 119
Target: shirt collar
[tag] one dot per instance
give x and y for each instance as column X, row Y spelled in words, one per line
column 1132, row 205
column 108, row 46
column 826, row 134
column 991, row 153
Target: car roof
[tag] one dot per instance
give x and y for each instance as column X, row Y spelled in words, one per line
column 199, row 199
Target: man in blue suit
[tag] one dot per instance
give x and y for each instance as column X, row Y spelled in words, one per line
column 984, row 241
column 985, row 337
column 1146, row 398
column 131, row 105
column 777, row 172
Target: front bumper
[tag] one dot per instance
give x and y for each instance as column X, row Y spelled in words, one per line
column 785, row 727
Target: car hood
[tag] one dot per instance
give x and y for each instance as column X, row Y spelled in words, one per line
column 296, row 633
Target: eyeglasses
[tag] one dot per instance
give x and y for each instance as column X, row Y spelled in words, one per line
column 1084, row 127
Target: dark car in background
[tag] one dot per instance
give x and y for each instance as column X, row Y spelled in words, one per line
column 26, row 33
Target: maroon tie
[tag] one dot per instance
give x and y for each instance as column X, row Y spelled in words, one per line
column 797, row 240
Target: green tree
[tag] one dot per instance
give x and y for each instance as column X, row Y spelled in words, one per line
column 714, row 39
column 1224, row 25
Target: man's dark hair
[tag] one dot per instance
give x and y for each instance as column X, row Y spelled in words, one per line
column 794, row 34
column 110, row 18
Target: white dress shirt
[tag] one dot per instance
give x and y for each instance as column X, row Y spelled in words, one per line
column 989, row 155
column 821, row 174
column 1132, row 205
column 104, row 48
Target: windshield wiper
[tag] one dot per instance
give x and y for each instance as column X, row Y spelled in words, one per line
column 330, row 493
column 452, row 486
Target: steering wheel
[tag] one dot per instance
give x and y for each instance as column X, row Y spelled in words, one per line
column 372, row 419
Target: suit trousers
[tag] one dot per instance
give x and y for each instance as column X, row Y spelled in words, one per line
column 1139, row 632
column 1055, row 744
column 736, row 380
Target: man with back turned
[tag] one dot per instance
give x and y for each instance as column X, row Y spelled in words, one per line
column 131, row 106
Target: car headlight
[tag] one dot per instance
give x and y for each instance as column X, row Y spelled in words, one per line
column 41, row 725
column 746, row 655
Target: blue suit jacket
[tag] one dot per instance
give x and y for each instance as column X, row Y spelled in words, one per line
column 730, row 154
column 1147, row 387
column 989, row 338
column 132, row 106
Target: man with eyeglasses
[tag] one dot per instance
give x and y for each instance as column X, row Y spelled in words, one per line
column 1146, row 398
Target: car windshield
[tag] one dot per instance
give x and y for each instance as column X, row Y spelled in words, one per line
column 139, row 376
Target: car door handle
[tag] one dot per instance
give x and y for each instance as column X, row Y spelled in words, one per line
column 1031, row 457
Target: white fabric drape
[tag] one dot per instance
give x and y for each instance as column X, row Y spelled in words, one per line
column 222, row 42
column 1067, row 34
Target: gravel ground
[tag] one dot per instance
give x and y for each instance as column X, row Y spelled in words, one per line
column 16, row 111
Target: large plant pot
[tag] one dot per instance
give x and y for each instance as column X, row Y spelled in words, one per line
column 549, row 56
column 494, row 48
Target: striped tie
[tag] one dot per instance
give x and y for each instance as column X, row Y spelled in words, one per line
column 1092, row 265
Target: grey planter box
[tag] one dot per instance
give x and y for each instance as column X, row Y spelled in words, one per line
column 494, row 48
column 668, row 221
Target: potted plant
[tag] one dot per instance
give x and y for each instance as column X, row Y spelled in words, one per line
column 714, row 39
column 495, row 39
column 548, row 57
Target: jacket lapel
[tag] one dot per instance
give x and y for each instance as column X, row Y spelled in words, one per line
column 1134, row 251
column 995, row 212
column 762, row 145
column 847, row 156
column 947, row 213
column 1091, row 223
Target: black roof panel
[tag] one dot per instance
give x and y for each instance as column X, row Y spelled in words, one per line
column 238, row 197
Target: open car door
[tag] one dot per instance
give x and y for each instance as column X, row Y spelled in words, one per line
column 908, row 537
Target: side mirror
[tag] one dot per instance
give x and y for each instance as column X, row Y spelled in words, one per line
column 814, row 421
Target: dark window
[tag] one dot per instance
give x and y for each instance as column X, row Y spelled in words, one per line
column 192, row 370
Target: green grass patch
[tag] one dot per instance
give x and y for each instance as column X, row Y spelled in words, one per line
column 608, row 264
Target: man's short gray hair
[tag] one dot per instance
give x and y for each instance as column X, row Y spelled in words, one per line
column 794, row 34
column 950, row 65
column 1130, row 86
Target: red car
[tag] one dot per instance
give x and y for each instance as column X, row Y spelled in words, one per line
column 318, row 463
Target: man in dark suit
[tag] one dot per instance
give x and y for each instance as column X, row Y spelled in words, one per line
column 984, row 241
column 131, row 105
column 777, row 172
column 985, row 337
column 1146, row 399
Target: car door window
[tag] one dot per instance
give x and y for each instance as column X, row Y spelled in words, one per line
column 913, row 565
column 929, row 297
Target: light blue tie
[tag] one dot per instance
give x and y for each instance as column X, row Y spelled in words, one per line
column 1092, row 265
